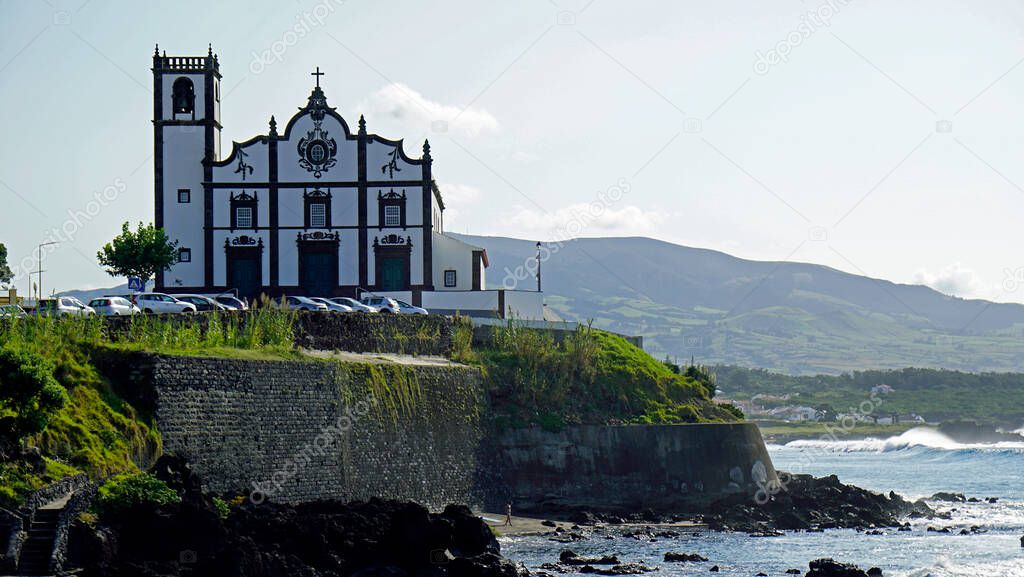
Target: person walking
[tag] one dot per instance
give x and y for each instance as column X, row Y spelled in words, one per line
column 508, row 514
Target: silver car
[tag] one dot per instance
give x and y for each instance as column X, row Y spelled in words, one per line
column 113, row 307
column 11, row 311
column 303, row 304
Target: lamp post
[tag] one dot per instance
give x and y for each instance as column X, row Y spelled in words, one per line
column 538, row 266
column 39, row 269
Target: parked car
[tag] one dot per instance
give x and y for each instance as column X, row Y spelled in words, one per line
column 408, row 309
column 159, row 303
column 113, row 306
column 303, row 304
column 382, row 304
column 11, row 311
column 63, row 306
column 203, row 304
column 332, row 306
column 231, row 302
column 353, row 304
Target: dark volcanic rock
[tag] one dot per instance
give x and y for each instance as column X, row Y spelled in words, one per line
column 376, row 538
column 810, row 503
column 684, row 557
column 830, row 568
column 949, row 497
column 623, row 569
column 569, row 557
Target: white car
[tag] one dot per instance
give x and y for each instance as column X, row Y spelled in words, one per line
column 331, row 305
column 408, row 309
column 353, row 304
column 382, row 304
column 303, row 304
column 63, row 307
column 11, row 311
column 159, row 303
column 113, row 307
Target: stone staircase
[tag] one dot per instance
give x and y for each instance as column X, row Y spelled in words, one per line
column 38, row 547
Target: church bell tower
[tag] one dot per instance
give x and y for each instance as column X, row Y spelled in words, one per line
column 186, row 139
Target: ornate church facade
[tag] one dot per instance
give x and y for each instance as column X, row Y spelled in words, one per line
column 310, row 208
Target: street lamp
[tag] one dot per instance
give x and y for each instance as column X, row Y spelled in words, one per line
column 538, row 266
column 39, row 268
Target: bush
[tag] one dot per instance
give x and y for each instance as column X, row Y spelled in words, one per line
column 223, row 509
column 126, row 491
column 29, row 394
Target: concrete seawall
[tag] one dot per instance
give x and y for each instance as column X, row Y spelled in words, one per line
column 627, row 467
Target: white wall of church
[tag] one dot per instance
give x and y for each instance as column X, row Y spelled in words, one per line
column 256, row 157
column 379, row 155
column 346, row 169
column 183, row 169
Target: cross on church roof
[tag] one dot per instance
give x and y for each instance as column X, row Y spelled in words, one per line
column 318, row 74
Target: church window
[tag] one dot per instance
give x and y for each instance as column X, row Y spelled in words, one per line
column 243, row 217
column 243, row 210
column 391, row 209
column 184, row 255
column 184, row 196
column 449, row 278
column 183, row 96
column 318, row 208
column 317, row 215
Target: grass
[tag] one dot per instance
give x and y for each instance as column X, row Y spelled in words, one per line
column 549, row 379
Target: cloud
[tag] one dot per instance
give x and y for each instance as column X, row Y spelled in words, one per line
column 406, row 105
column 953, row 280
column 458, row 194
column 585, row 219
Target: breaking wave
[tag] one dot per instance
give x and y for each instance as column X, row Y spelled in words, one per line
column 919, row 437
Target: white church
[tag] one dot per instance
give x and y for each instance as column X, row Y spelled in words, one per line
column 310, row 209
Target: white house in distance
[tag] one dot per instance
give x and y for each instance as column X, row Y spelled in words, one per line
column 313, row 209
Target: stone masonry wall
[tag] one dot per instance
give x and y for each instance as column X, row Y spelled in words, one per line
column 298, row 431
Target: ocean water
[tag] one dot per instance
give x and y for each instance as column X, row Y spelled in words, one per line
column 915, row 464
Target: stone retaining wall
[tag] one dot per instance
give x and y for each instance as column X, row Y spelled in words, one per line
column 299, row 431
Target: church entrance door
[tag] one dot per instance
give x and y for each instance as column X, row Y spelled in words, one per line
column 245, row 266
column 245, row 276
column 317, row 273
column 392, row 274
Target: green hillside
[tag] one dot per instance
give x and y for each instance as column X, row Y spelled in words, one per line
column 790, row 317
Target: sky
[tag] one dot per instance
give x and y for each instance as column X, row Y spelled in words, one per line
column 881, row 138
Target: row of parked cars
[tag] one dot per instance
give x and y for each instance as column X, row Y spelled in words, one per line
column 160, row 303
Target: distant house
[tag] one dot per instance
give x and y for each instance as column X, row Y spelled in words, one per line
column 882, row 389
column 796, row 414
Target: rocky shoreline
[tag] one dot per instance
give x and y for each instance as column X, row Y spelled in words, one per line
column 380, row 538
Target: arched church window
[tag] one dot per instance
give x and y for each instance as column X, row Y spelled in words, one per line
column 183, row 96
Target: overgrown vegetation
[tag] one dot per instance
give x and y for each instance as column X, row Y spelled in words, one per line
column 557, row 378
column 938, row 395
column 124, row 491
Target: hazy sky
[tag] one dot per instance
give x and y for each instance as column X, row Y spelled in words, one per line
column 880, row 138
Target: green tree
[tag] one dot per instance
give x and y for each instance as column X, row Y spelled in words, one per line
column 29, row 395
column 142, row 253
column 6, row 274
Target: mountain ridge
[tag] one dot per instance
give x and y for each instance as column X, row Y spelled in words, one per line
column 788, row 316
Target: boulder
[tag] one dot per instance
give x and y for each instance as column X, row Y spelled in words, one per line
column 831, row 568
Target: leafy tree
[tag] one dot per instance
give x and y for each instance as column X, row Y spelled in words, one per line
column 142, row 253
column 29, row 395
column 6, row 274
